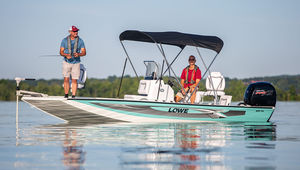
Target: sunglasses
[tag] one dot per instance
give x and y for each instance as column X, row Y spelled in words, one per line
column 191, row 59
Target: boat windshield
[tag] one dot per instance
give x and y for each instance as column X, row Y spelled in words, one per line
column 152, row 70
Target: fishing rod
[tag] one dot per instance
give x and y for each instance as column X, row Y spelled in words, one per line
column 50, row 55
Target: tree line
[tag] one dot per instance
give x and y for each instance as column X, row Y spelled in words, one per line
column 287, row 87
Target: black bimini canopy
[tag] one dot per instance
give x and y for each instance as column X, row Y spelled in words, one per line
column 174, row 38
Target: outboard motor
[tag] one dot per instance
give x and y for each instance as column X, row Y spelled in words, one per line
column 260, row 94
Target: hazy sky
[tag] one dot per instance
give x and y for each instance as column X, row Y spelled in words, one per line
column 261, row 37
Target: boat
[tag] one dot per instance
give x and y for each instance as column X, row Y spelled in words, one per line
column 155, row 99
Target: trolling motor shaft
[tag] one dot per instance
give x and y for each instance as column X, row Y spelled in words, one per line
column 18, row 93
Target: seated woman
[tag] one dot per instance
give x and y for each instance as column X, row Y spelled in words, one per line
column 190, row 77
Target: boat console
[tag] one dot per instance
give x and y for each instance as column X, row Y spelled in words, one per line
column 152, row 88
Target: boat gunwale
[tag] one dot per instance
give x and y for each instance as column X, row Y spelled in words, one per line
column 172, row 103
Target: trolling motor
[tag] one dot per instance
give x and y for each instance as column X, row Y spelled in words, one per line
column 19, row 79
column 18, row 93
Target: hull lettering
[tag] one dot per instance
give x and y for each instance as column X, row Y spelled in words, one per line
column 178, row 110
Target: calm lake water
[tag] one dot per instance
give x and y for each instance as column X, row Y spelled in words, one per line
column 40, row 141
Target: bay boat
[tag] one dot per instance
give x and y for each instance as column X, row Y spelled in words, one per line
column 155, row 99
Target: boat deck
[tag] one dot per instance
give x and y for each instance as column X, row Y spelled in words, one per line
column 71, row 114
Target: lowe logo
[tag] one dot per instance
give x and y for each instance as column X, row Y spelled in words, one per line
column 178, row 110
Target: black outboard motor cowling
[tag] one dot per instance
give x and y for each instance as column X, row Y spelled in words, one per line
column 260, row 94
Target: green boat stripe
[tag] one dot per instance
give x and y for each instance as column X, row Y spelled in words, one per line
column 252, row 114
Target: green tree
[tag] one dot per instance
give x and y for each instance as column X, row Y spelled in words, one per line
column 287, row 87
column 236, row 88
column 292, row 93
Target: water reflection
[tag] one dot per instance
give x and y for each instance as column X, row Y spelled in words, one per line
column 198, row 146
column 260, row 132
column 73, row 154
column 188, row 141
column 260, row 135
column 161, row 146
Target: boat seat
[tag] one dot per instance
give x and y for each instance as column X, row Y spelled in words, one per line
column 210, row 93
column 215, row 84
column 225, row 100
column 82, row 77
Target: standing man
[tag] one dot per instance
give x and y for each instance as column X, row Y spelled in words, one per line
column 72, row 48
column 190, row 77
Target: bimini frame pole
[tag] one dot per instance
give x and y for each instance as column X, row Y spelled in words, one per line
column 118, row 95
column 204, row 75
column 163, row 54
column 160, row 78
column 129, row 60
column 210, row 64
column 210, row 78
column 173, row 61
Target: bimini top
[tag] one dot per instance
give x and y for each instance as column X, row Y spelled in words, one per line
column 174, row 38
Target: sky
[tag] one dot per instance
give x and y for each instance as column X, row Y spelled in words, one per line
column 261, row 37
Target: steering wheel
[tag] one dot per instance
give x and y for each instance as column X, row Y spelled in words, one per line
column 172, row 82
